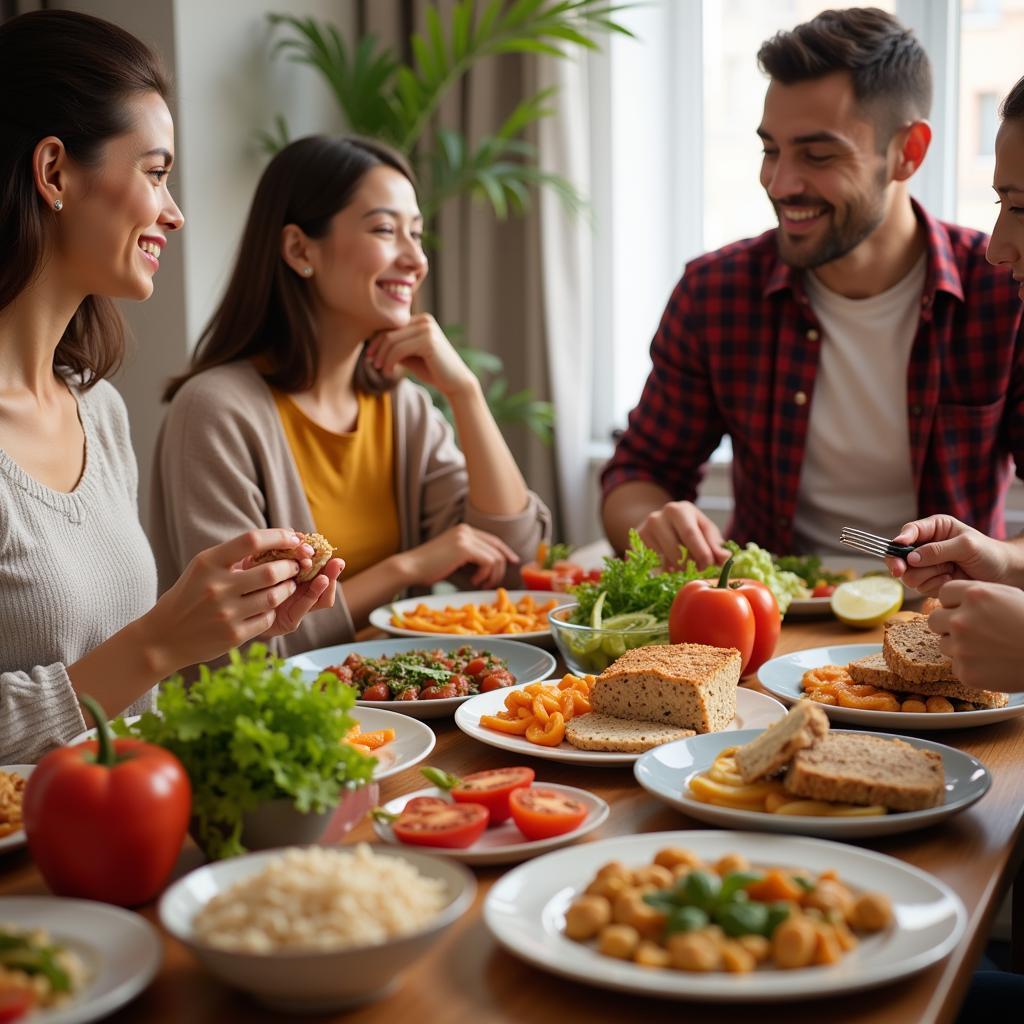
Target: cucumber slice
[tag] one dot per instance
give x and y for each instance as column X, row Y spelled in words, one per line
column 595, row 612
column 630, row 620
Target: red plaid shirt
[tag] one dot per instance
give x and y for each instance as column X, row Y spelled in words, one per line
column 737, row 352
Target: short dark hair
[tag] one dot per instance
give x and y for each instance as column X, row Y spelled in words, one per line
column 265, row 313
column 1012, row 108
column 68, row 75
column 889, row 69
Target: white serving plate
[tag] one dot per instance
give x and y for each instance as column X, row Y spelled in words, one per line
column 381, row 617
column 862, row 565
column 525, row 911
column 503, row 844
column 526, row 662
column 753, row 710
column 15, row 839
column 121, row 950
column 666, row 771
column 781, row 676
column 412, row 743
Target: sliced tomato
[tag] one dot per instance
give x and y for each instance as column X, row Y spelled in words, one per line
column 379, row 691
column 15, row 1004
column 427, row 821
column 823, row 589
column 492, row 788
column 543, row 813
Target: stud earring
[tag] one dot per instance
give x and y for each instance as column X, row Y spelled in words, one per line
column 307, row 271
column 58, row 205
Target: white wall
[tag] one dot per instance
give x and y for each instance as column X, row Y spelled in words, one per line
column 226, row 88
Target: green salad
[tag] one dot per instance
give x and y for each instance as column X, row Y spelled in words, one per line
column 630, row 602
column 249, row 732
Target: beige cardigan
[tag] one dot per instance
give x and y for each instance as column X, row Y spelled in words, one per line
column 223, row 466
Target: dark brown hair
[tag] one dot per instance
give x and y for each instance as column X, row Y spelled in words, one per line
column 1012, row 108
column 67, row 75
column 266, row 313
column 889, row 69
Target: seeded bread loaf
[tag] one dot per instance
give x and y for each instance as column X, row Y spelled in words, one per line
column 689, row 685
column 805, row 724
column 911, row 651
column 858, row 769
column 874, row 671
column 595, row 731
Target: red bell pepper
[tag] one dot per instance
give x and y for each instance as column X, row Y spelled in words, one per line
column 105, row 819
column 743, row 614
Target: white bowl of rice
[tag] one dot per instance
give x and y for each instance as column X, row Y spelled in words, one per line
column 314, row 928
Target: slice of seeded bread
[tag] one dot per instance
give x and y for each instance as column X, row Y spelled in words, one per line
column 858, row 769
column 911, row 651
column 322, row 552
column 689, row 685
column 805, row 724
column 595, row 731
column 874, row 671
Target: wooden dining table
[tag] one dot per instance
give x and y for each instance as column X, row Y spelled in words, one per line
column 467, row 978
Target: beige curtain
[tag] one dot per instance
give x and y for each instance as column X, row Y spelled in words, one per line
column 487, row 274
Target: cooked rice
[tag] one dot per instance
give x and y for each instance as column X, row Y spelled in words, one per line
column 316, row 898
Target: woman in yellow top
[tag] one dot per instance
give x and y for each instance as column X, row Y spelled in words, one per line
column 296, row 410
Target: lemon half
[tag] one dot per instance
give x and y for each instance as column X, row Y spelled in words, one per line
column 867, row 602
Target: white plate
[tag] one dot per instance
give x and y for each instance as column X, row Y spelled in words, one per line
column 666, row 771
column 15, row 839
column 413, row 740
column 503, row 844
column 525, row 662
column 782, row 676
column 753, row 710
column 525, row 911
column 121, row 951
column 381, row 617
column 412, row 743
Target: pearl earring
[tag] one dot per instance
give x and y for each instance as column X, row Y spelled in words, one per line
column 58, row 205
column 307, row 271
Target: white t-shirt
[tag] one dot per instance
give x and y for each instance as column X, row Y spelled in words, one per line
column 857, row 469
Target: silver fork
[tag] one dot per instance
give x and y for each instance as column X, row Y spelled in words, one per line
column 872, row 544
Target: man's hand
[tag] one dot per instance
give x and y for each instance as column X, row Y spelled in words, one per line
column 681, row 522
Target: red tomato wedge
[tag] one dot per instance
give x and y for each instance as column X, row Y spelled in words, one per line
column 492, row 789
column 15, row 1004
column 427, row 821
column 543, row 813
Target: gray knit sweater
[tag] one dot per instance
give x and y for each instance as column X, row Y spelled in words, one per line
column 74, row 569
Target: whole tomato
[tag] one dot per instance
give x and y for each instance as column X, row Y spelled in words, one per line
column 105, row 819
column 706, row 612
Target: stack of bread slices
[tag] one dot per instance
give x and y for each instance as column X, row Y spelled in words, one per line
column 654, row 695
column 912, row 664
column 846, row 767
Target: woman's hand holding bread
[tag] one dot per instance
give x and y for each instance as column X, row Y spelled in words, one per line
column 224, row 598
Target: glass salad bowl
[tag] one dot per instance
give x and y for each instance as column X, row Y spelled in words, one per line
column 589, row 650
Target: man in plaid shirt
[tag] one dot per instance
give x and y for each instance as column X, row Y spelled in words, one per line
column 864, row 358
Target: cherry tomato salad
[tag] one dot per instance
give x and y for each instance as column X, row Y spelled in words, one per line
column 424, row 675
column 480, row 800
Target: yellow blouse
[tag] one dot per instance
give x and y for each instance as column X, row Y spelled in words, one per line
column 348, row 479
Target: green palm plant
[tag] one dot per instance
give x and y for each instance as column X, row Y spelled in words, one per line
column 384, row 97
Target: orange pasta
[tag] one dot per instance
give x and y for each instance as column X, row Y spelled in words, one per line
column 503, row 616
column 539, row 711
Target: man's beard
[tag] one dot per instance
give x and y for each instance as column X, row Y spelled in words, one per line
column 862, row 218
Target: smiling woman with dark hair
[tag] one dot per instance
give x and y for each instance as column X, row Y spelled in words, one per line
column 295, row 409
column 86, row 144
